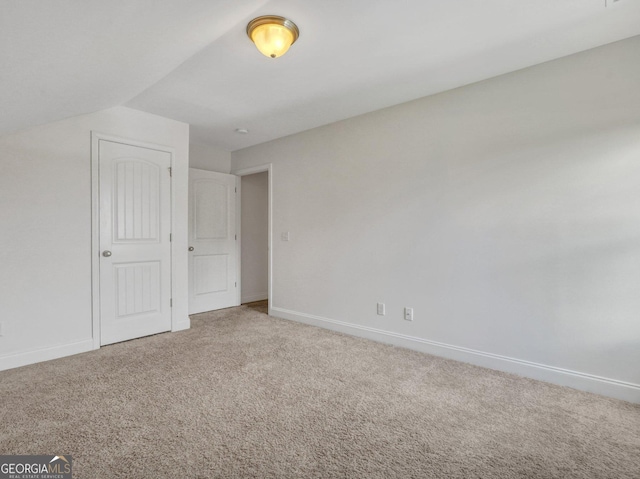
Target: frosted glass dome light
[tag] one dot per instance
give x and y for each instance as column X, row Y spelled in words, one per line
column 272, row 35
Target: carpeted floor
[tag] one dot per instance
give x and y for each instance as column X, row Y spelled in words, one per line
column 243, row 395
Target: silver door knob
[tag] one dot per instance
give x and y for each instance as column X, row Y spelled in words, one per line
column 106, row 253
column 190, row 248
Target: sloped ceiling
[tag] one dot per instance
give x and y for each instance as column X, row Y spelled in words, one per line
column 61, row 58
column 191, row 60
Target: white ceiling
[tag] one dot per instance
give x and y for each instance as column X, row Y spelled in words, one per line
column 191, row 59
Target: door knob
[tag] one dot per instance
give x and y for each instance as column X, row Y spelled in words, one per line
column 106, row 253
column 190, row 248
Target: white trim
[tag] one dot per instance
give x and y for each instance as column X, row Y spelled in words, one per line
column 255, row 297
column 181, row 325
column 46, row 354
column 176, row 325
column 250, row 171
column 95, row 241
column 238, row 241
column 563, row 377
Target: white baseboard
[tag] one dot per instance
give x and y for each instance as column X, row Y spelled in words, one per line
column 182, row 325
column 563, row 377
column 30, row 357
column 250, row 298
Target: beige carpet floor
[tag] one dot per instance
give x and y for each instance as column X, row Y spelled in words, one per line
column 244, row 395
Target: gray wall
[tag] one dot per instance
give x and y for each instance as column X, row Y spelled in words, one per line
column 506, row 213
column 210, row 158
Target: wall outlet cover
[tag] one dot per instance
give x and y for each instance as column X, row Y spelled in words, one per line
column 408, row 314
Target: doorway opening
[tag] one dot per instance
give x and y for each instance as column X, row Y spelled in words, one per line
column 255, row 227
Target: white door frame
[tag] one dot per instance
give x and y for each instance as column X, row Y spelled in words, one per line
column 244, row 172
column 95, row 225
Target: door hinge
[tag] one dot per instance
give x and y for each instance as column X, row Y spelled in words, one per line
column 171, row 303
column 236, row 189
column 236, row 284
column 236, row 237
column 170, row 171
column 170, row 237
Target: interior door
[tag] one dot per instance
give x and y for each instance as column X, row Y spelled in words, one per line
column 135, row 244
column 212, row 241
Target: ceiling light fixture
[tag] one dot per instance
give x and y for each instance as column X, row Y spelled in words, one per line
column 272, row 35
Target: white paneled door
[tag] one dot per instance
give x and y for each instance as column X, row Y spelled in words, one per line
column 135, row 245
column 212, row 241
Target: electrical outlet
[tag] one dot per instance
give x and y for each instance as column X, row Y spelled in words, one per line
column 285, row 236
column 408, row 314
column 381, row 311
